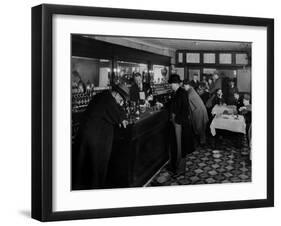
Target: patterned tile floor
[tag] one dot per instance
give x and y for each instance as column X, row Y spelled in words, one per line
column 220, row 163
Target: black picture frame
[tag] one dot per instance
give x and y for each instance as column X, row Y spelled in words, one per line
column 42, row 111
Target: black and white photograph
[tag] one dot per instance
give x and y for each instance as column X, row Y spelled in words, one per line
column 142, row 112
column 138, row 113
column 148, row 112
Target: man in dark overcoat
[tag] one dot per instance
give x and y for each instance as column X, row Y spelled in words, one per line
column 182, row 125
column 93, row 145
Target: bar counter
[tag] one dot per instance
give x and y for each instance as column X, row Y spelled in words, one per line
column 139, row 150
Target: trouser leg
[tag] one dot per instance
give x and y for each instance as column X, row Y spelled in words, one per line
column 203, row 135
column 178, row 132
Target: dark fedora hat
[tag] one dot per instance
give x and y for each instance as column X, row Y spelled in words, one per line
column 122, row 90
column 186, row 82
column 174, row 78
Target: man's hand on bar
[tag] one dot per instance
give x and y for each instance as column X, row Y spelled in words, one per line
column 125, row 123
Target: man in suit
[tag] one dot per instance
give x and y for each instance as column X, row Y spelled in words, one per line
column 181, row 123
column 139, row 91
column 216, row 85
column 232, row 89
column 195, row 82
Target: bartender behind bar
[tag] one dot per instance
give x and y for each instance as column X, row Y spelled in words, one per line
column 139, row 91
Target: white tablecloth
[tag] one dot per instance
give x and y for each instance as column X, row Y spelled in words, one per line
column 228, row 122
column 219, row 109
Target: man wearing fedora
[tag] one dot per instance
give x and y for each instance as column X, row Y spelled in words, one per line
column 93, row 144
column 182, row 126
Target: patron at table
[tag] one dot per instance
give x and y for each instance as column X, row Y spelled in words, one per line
column 219, row 99
column 246, row 110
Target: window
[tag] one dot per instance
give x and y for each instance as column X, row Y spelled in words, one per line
column 241, row 58
column 209, row 58
column 193, row 58
column 225, row 58
column 180, row 58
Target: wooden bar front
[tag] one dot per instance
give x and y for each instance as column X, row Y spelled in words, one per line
column 139, row 151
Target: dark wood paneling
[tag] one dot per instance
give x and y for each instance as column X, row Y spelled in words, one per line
column 88, row 47
column 139, row 151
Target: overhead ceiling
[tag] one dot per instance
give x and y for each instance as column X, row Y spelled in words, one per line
column 168, row 47
column 178, row 44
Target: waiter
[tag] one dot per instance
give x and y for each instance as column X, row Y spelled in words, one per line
column 139, row 91
column 180, row 120
column 92, row 148
column 232, row 89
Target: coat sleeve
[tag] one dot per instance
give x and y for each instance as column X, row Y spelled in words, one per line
column 114, row 113
column 212, row 89
column 180, row 107
column 192, row 100
column 148, row 90
column 134, row 93
column 176, row 105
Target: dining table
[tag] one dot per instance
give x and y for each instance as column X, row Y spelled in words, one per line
column 233, row 123
column 220, row 109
